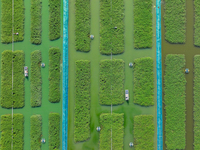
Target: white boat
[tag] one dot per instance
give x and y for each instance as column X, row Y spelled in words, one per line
column 26, row 71
column 126, row 95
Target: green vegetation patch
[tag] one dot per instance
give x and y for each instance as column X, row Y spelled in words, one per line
column 111, row 74
column 6, row 20
column 196, row 102
column 6, row 134
column 175, row 21
column 54, row 131
column 111, row 38
column 54, row 19
column 143, row 80
column 197, row 23
column 174, row 101
column 117, row 122
column 6, row 79
column 18, row 79
column 36, row 132
column 36, row 21
column 36, row 79
column 143, row 132
column 143, row 33
column 54, row 75
column 82, row 101
column 13, row 98
column 18, row 132
column 82, row 26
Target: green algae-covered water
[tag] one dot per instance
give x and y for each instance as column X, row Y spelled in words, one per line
column 129, row 109
column 189, row 50
column 27, row 47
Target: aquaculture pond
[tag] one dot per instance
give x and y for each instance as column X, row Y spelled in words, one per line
column 97, row 81
column 37, row 88
column 185, row 83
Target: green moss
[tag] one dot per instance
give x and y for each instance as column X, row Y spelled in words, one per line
column 54, row 75
column 111, row 74
column 142, row 15
column 36, row 132
column 6, row 134
column 143, row 132
column 111, row 39
column 36, row 79
column 143, row 81
column 197, row 23
column 18, row 132
column 13, row 97
column 18, row 78
column 54, row 131
column 82, row 101
column 54, row 19
column 36, row 21
column 117, row 122
column 196, row 107
column 6, row 19
column 82, row 26
column 175, row 21
column 174, row 101
column 6, row 79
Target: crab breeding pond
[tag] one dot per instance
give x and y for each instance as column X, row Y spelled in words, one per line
column 31, row 101
column 180, row 69
column 105, row 39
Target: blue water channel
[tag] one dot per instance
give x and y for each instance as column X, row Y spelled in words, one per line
column 158, row 68
column 159, row 76
column 65, row 76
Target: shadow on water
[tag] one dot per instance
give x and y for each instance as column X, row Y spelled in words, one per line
column 190, row 51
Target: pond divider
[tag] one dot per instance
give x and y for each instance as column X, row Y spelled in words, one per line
column 159, row 76
column 65, row 76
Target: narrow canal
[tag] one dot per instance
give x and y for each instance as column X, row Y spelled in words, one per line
column 189, row 50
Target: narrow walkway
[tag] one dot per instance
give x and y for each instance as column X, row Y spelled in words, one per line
column 189, row 50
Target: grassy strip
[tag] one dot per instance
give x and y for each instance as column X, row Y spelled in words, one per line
column 6, row 18
column 143, row 132
column 143, row 81
column 6, row 79
column 18, row 79
column 117, row 21
column 36, row 21
column 196, row 102
column 17, row 99
column 106, row 29
column 36, row 79
column 82, row 101
column 36, row 132
column 18, row 132
column 54, row 131
column 54, row 75
column 197, row 23
column 54, row 19
column 111, row 74
column 111, row 39
column 142, row 14
column 174, row 101
column 82, row 26
column 6, row 134
column 175, row 21
column 117, row 122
